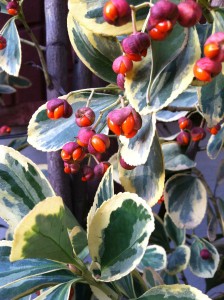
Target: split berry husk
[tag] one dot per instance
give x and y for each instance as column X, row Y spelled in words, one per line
column 87, row 173
column 183, row 138
column 98, row 143
column 84, row 135
column 72, row 151
column 12, row 8
column 190, row 13
column 124, row 121
column 120, row 81
column 71, row 168
column 125, row 165
column 135, row 45
column 197, row 134
column 101, row 168
column 185, row 123
column 5, row 130
column 214, row 130
column 84, row 117
column 117, row 12
column 205, row 254
column 58, row 108
column 214, row 47
column 205, row 69
column 122, row 64
column 3, row 42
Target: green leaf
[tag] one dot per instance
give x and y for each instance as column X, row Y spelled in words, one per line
column 3, row 7
column 154, row 257
column 19, row 81
column 22, row 186
column 204, row 268
column 47, row 224
column 185, row 196
column 50, row 135
column 10, row 57
column 6, row 89
column 211, row 100
column 218, row 15
column 215, row 143
column 218, row 277
column 60, row 291
column 220, row 173
column 221, row 209
column 104, row 192
column 79, row 242
column 188, row 98
column 19, row 143
column 174, row 292
column 159, row 236
column 114, row 162
column 125, row 285
column 175, row 159
column 139, row 146
column 152, row 278
column 139, row 283
column 169, row 279
column 146, row 180
column 89, row 14
column 176, row 76
column 178, row 260
column 176, row 234
column 115, row 258
column 96, row 51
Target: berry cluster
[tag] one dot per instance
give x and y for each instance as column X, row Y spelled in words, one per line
column 188, row 133
column 163, row 16
column 5, row 130
column 125, row 121
column 211, row 65
column 13, row 8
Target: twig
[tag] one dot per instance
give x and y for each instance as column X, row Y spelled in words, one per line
column 43, row 48
column 179, row 108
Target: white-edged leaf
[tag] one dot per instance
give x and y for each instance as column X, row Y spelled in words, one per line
column 60, row 291
column 114, row 162
column 178, row 260
column 215, row 143
column 154, row 257
column 178, row 235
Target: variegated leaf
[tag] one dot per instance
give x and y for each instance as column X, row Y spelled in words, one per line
column 22, row 186
column 79, row 242
column 130, row 219
column 96, row 51
column 114, row 162
column 188, row 98
column 174, row 292
column 175, row 159
column 50, row 135
column 220, row 173
column 126, row 286
column 139, row 146
column 152, row 278
column 146, row 180
column 47, row 224
column 178, row 260
column 90, row 15
column 215, row 143
column 185, row 200
column 159, row 236
column 10, row 57
column 154, row 257
column 218, row 15
column 204, row 268
column 178, row 235
column 175, row 77
column 211, row 100
column 169, row 279
column 60, row 291
column 104, row 192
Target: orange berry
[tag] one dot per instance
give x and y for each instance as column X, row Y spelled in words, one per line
column 12, row 11
column 113, row 127
column 156, row 34
column 50, row 114
column 164, row 26
column 201, row 74
column 78, row 154
column 59, row 112
column 84, row 121
column 110, row 11
column 211, row 50
column 131, row 134
column 98, row 144
column 65, row 156
column 67, row 170
column 128, row 125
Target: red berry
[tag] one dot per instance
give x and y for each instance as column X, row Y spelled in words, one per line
column 201, row 74
column 3, row 42
column 183, row 138
column 78, row 154
column 113, row 127
column 205, row 254
column 84, row 135
column 59, row 112
column 5, row 130
column 190, row 13
column 215, row 129
column 205, row 69
column 122, row 65
column 214, row 47
column 72, row 151
column 58, row 108
column 125, row 165
column 85, row 117
column 211, row 50
column 157, row 35
column 98, row 143
column 164, row 26
column 101, row 168
column 72, row 168
column 87, row 173
column 117, row 12
column 161, row 200
column 185, row 123
column 12, row 7
column 128, row 125
column 197, row 134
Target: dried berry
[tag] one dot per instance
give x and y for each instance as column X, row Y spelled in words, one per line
column 122, row 64
column 58, row 108
column 87, row 173
column 135, row 45
column 190, row 13
column 117, row 12
column 205, row 69
column 84, row 117
column 124, row 121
